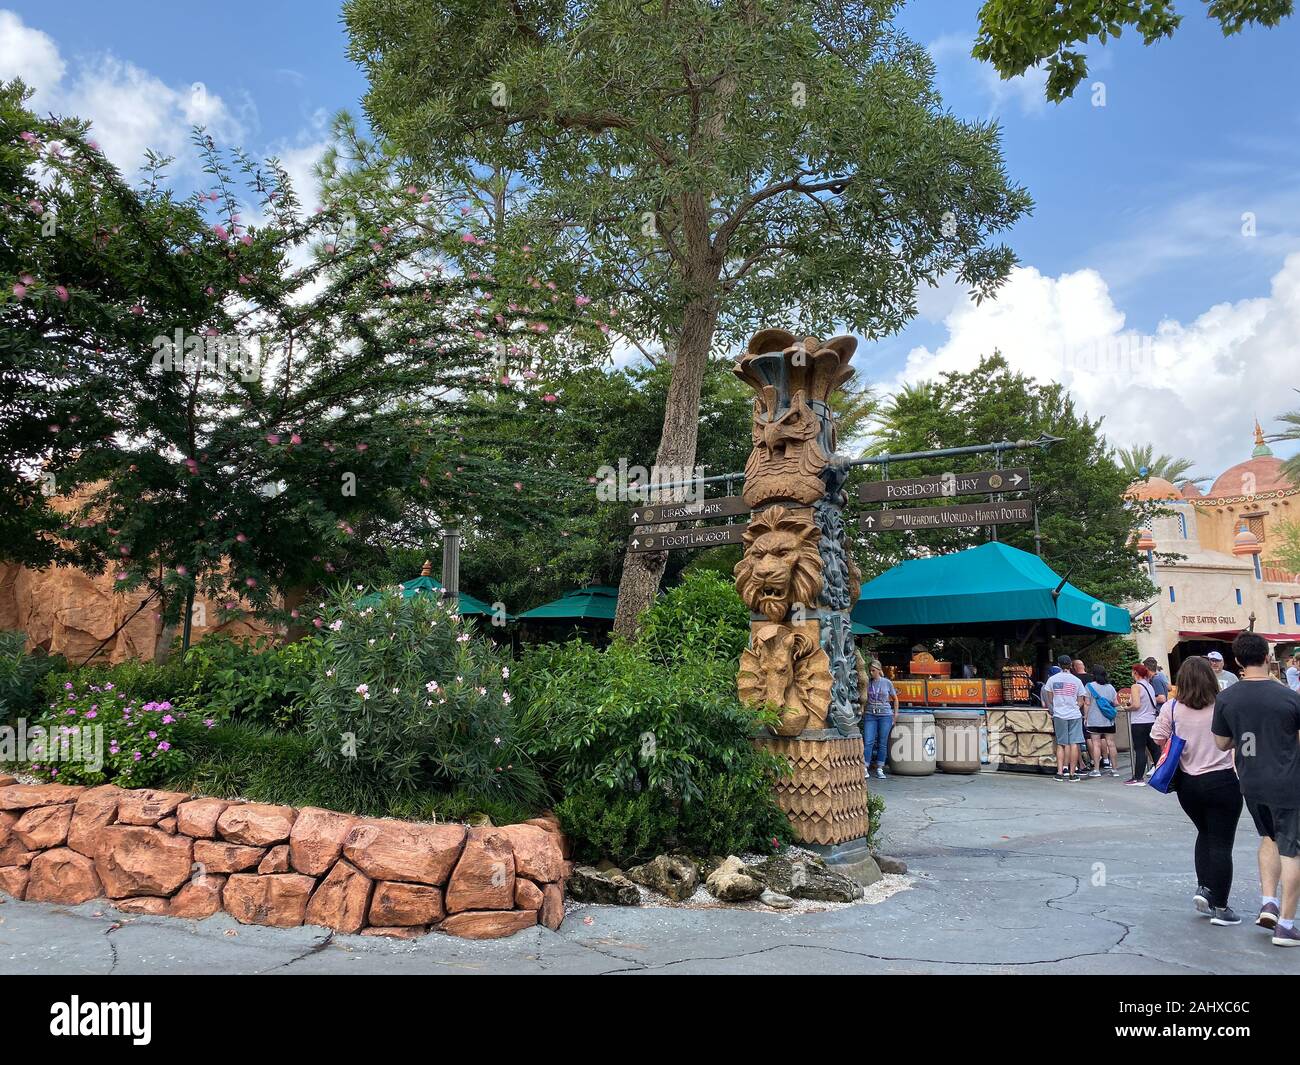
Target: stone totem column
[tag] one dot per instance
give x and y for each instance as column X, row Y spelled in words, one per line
column 800, row 583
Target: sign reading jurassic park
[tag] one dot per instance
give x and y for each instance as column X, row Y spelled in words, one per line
column 708, row 536
column 943, row 485
column 959, row 515
column 664, row 513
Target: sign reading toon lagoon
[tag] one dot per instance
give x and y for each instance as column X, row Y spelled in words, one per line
column 800, row 583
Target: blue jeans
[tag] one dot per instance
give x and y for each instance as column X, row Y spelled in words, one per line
column 875, row 737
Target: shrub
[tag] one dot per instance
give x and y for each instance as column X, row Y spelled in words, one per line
column 646, row 756
column 136, row 679
column 22, row 677
column 254, row 681
column 409, row 698
column 94, row 735
column 240, row 760
column 702, row 620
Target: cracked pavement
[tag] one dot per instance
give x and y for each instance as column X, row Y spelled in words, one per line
column 1012, row 873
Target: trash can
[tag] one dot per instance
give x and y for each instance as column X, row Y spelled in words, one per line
column 912, row 746
column 957, row 735
column 1121, row 729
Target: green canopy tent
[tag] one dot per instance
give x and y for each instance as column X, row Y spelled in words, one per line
column 993, row 589
column 594, row 604
column 426, row 585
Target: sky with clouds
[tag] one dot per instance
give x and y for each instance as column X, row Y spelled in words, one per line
column 1160, row 269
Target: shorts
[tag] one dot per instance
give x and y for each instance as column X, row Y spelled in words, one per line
column 1068, row 730
column 1100, row 730
column 1278, row 823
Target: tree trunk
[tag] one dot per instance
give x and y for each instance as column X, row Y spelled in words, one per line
column 677, row 442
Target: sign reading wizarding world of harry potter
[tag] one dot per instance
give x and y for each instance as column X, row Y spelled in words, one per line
column 956, row 516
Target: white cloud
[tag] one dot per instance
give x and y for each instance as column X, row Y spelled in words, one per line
column 1190, row 389
column 951, row 52
column 130, row 109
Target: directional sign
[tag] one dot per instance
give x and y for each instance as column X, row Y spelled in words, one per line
column 709, row 536
column 1014, row 511
column 943, row 485
column 662, row 513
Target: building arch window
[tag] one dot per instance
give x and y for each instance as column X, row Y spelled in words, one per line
column 1281, row 614
column 1182, row 524
column 1297, row 612
column 1172, row 598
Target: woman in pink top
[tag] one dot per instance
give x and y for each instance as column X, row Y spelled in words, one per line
column 1206, row 784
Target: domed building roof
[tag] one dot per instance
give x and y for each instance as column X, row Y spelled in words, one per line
column 1152, row 488
column 1262, row 472
column 1191, row 491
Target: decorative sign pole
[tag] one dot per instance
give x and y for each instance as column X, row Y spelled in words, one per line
column 800, row 583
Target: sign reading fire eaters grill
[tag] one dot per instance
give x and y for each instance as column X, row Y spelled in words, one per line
column 943, row 485
column 1012, row 512
column 663, row 513
column 708, row 536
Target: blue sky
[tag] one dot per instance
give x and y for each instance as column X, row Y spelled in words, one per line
column 1139, row 288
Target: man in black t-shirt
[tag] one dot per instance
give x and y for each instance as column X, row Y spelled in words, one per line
column 1261, row 720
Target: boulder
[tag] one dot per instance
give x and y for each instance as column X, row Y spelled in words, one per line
column 342, row 899
column 62, row 875
column 775, row 899
column 44, row 826
column 7, row 821
column 149, row 904
column 134, row 860
column 538, row 855
column 279, row 900
column 394, row 933
column 669, row 875
column 6, row 780
column 95, row 811
column 396, row 850
column 198, row 817
column 733, row 881
column 215, row 857
column 886, row 864
column 276, row 860
column 552, row 911
column 484, row 878
column 317, row 839
column 13, row 881
column 528, row 896
column 805, row 876
column 168, row 825
column 199, row 898
column 256, row 824
column 591, row 885
column 490, row 924
column 25, row 796
column 14, row 853
column 147, row 806
column 406, row 905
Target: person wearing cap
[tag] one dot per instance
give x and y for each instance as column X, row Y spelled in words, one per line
column 1226, row 678
column 1065, row 695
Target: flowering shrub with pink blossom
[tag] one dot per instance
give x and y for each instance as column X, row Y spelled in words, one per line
column 409, row 696
column 95, row 734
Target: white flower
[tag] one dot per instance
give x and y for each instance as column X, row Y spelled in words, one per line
column 481, row 691
column 363, row 690
column 329, row 673
column 496, row 740
column 463, row 638
column 336, row 625
column 432, row 686
column 371, row 641
column 505, row 672
column 397, row 691
column 505, row 698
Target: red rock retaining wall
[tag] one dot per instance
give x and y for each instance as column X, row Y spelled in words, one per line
column 164, row 852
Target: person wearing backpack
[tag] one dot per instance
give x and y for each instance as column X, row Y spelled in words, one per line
column 1206, row 785
column 1103, row 702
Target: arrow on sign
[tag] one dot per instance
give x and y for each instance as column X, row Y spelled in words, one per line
column 870, row 521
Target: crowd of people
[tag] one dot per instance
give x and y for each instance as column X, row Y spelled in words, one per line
column 1239, row 745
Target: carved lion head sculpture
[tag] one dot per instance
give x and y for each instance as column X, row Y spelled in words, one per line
column 782, row 565
column 786, row 668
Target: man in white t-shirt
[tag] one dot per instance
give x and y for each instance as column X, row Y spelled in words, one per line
column 1065, row 696
column 1226, row 678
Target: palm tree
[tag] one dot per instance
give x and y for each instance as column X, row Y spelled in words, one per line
column 1141, row 462
column 1291, row 419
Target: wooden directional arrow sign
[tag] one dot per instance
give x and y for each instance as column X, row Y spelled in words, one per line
column 1011, row 512
column 709, row 536
column 943, row 485
column 662, row 513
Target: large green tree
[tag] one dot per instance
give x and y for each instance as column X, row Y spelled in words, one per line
column 1084, row 523
column 702, row 166
column 208, row 403
column 1015, row 35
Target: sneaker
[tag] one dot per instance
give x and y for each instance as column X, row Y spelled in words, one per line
column 880, row 773
column 1061, row 776
column 1268, row 915
column 1136, row 783
column 1113, row 771
column 1095, row 773
column 1225, row 915
column 1075, row 777
column 1286, row 937
column 1201, row 900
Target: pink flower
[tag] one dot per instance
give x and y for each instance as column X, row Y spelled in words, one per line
column 241, row 538
column 581, row 301
column 62, row 293
column 35, row 206
column 243, row 280
column 251, row 582
column 220, row 232
column 164, row 746
column 272, row 438
column 181, row 571
column 295, row 439
column 317, row 622
column 550, row 397
column 137, row 309
column 329, row 249
column 246, row 240
column 20, row 291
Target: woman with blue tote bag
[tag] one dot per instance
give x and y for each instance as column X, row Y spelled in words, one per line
column 1205, row 781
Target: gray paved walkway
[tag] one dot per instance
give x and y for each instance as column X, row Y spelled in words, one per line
column 1013, row 873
